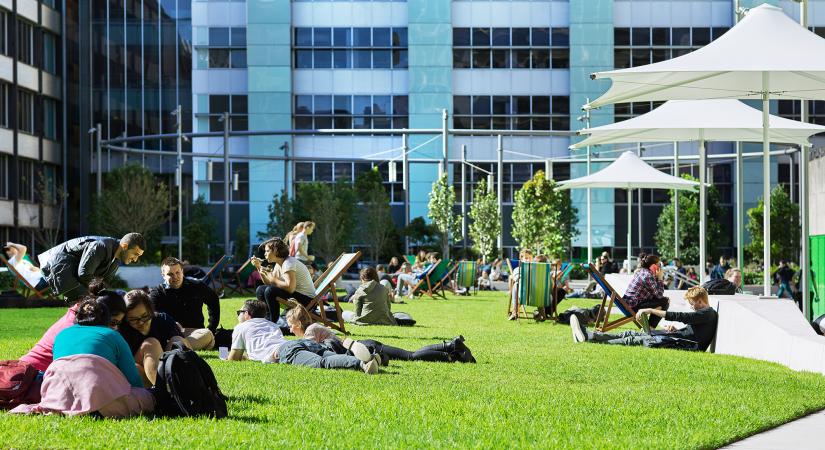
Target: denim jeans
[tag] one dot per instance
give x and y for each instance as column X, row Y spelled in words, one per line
column 303, row 352
column 784, row 287
column 629, row 337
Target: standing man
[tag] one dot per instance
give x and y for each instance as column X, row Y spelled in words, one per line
column 183, row 299
column 71, row 266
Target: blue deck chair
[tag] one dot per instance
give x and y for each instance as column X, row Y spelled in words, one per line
column 214, row 277
column 610, row 298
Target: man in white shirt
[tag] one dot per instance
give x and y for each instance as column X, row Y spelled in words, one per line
column 33, row 275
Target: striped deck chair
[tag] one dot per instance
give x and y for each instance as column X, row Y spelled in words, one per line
column 610, row 298
column 214, row 277
column 467, row 275
column 511, row 266
column 26, row 289
column 410, row 259
column 535, row 287
column 433, row 279
column 558, row 276
column 237, row 280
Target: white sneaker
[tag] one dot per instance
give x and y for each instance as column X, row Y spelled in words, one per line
column 576, row 329
column 371, row 367
column 358, row 349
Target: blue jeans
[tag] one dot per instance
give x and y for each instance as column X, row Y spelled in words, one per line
column 303, row 352
column 624, row 338
column 784, row 287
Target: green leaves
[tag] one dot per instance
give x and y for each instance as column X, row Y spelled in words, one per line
column 785, row 231
column 442, row 200
column 544, row 218
column 689, row 225
column 485, row 224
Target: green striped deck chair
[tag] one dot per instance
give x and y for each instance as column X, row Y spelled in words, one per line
column 558, row 276
column 535, row 286
column 410, row 259
column 467, row 275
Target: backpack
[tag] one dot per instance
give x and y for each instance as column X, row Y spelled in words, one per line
column 720, row 287
column 403, row 319
column 186, row 386
column 18, row 384
column 223, row 337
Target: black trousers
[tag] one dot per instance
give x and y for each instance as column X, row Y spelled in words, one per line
column 270, row 295
column 432, row 353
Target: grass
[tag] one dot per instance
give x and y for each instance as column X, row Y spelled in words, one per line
column 531, row 387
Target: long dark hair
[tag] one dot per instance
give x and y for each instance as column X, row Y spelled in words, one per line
column 91, row 312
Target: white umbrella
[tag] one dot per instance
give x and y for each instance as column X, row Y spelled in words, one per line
column 766, row 55
column 628, row 171
column 700, row 120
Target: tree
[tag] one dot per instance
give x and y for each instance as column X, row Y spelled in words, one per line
column 198, row 233
column 332, row 207
column 282, row 216
column 242, row 242
column 785, row 231
column 544, row 218
column 486, row 221
column 442, row 214
column 132, row 201
column 689, row 225
column 421, row 234
column 377, row 229
column 52, row 198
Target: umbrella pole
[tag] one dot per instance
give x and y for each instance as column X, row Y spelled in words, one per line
column 766, row 188
column 702, row 211
column 676, row 201
column 629, row 229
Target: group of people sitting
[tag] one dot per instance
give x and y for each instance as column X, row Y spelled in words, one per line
column 114, row 341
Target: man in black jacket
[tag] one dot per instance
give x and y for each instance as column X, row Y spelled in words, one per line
column 71, row 266
column 183, row 299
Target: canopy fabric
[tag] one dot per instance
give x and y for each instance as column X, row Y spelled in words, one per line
column 694, row 120
column 764, row 41
column 628, row 171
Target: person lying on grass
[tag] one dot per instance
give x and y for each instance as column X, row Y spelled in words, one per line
column 701, row 325
column 41, row 355
column 302, row 325
column 259, row 339
column 148, row 334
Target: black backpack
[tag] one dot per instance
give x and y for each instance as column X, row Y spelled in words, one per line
column 403, row 319
column 186, row 386
column 720, row 287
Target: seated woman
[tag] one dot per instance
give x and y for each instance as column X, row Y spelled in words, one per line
column 289, row 278
column 41, row 355
column 407, row 279
column 372, row 301
column 259, row 339
column 646, row 288
column 93, row 369
column 393, row 266
column 484, row 282
column 420, row 260
column 15, row 254
column 148, row 334
column 302, row 325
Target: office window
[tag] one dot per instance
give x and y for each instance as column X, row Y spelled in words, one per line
column 4, row 176
column 26, row 180
column 503, row 112
column 235, row 105
column 25, row 42
column 50, row 52
column 49, row 180
column 4, row 105
column 227, row 48
column 350, row 48
column 236, row 169
column 348, row 171
column 351, row 111
column 4, row 32
column 50, row 119
column 25, row 111
column 511, row 48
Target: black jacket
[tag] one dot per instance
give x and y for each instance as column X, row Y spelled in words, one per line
column 185, row 304
column 71, row 266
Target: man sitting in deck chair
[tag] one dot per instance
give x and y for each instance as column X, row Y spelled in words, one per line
column 697, row 335
column 15, row 255
column 287, row 278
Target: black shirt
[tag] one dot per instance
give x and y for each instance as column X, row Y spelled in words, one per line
column 185, row 304
column 701, row 325
column 163, row 328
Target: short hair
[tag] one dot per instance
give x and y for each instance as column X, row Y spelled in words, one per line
column 277, row 245
column 381, row 268
column 133, row 240
column 298, row 314
column 649, row 260
column 91, row 312
column 540, row 258
column 170, row 261
column 695, row 294
column 137, row 297
column 256, row 308
column 369, row 274
column 729, row 273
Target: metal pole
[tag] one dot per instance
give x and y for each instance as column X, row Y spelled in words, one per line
column 178, row 113
column 444, row 141
column 791, row 175
column 702, row 211
column 287, row 184
column 226, row 182
column 639, row 205
column 500, row 151
column 766, row 187
column 740, row 207
column 675, row 202
column 589, row 204
column 406, row 185
column 464, row 197
column 98, row 133
column 629, row 230
column 548, row 169
column 804, row 259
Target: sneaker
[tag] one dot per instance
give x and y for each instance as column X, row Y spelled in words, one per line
column 371, row 367
column 579, row 334
column 461, row 352
column 357, row 349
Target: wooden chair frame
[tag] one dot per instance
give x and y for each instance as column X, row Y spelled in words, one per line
column 238, row 285
column 29, row 291
column 440, row 285
column 214, row 277
column 422, row 278
column 603, row 322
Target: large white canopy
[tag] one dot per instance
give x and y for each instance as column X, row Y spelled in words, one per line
column 695, row 120
column 628, row 171
column 732, row 66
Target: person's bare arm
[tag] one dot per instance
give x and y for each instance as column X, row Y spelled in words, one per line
column 654, row 311
column 21, row 249
column 236, row 355
column 287, row 282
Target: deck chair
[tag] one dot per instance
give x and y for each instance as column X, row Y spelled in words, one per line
column 23, row 285
column 609, row 299
column 558, row 276
column 214, row 277
column 466, row 275
column 325, row 284
column 535, row 288
column 237, row 280
column 433, row 279
column 410, row 259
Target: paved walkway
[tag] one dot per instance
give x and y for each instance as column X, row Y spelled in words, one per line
column 801, row 434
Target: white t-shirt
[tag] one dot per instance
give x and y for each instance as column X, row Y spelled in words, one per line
column 300, row 244
column 303, row 280
column 27, row 270
column 260, row 338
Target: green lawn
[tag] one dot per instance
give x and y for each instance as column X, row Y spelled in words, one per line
column 532, row 387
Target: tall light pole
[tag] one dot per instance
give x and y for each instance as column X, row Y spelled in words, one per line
column 586, row 119
column 225, row 119
column 804, row 259
column 178, row 113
